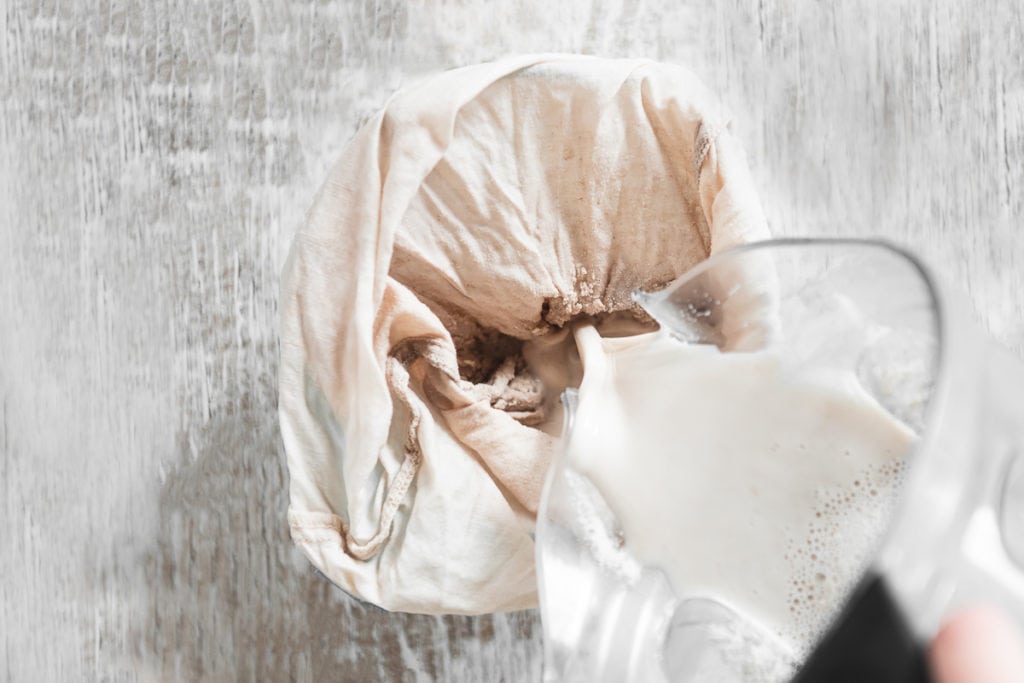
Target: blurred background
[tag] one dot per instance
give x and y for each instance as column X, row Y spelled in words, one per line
column 156, row 158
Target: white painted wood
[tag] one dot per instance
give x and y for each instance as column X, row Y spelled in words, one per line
column 155, row 160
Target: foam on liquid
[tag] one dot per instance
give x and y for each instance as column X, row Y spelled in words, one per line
column 749, row 481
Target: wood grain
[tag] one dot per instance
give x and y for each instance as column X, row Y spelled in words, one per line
column 157, row 157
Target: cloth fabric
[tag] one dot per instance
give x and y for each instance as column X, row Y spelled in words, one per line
column 427, row 300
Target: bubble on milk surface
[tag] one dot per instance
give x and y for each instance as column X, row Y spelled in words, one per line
column 829, row 557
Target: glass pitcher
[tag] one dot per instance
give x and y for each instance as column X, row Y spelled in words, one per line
column 956, row 533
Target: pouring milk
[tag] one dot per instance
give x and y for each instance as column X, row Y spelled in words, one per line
column 746, row 479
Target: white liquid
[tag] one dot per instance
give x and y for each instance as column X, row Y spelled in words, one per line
column 761, row 486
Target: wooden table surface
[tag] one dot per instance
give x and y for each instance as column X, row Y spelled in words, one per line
column 156, row 159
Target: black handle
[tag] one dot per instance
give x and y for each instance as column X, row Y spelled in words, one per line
column 870, row 642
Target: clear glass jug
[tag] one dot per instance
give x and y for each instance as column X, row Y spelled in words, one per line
column 956, row 535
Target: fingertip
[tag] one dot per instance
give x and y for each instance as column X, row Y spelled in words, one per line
column 978, row 644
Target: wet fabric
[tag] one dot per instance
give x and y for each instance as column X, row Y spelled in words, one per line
column 427, row 300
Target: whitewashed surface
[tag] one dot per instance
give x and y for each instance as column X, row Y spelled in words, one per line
column 155, row 160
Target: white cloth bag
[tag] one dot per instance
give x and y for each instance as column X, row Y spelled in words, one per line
column 426, row 303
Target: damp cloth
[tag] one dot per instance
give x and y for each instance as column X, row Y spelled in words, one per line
column 428, row 300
